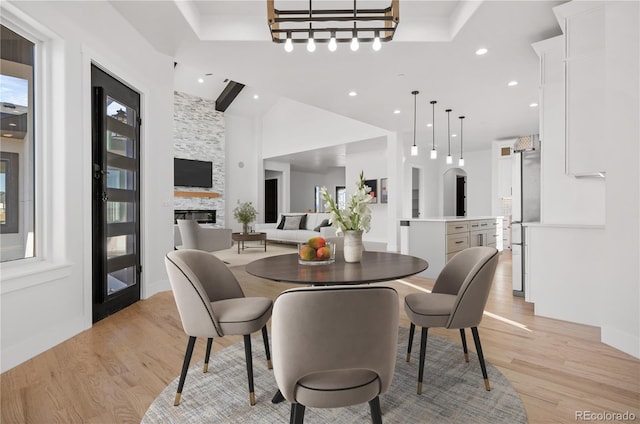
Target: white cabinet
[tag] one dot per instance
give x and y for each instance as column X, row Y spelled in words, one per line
column 439, row 240
column 484, row 233
column 583, row 25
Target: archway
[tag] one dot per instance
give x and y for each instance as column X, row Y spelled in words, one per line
column 454, row 192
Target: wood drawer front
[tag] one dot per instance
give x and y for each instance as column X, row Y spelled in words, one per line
column 457, row 227
column 457, row 242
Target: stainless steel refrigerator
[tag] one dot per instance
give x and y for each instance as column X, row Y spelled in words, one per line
column 525, row 204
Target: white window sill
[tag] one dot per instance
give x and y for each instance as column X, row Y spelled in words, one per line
column 18, row 275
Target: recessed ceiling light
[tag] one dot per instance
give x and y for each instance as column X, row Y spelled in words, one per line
column 353, row 93
column 200, row 80
column 512, row 83
column 454, row 135
column 397, row 111
column 429, row 125
column 255, row 96
column 481, row 51
column 533, row 105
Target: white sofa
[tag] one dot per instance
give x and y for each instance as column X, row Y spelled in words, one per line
column 299, row 234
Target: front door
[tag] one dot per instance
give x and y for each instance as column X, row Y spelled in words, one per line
column 116, row 194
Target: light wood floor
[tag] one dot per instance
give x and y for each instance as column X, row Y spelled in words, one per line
column 112, row 372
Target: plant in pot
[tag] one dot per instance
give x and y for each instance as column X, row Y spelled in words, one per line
column 245, row 213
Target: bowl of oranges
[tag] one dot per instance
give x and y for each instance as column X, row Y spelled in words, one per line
column 316, row 251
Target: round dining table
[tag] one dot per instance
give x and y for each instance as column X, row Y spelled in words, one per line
column 373, row 267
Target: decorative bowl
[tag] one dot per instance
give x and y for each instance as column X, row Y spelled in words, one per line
column 322, row 255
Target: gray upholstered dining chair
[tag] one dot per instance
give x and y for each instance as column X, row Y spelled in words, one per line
column 457, row 300
column 208, row 239
column 211, row 304
column 334, row 346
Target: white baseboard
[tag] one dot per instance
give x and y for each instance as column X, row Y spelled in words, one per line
column 26, row 349
column 155, row 287
column 625, row 342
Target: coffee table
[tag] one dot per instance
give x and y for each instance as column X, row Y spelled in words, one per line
column 240, row 238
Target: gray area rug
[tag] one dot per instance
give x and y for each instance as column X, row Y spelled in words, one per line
column 453, row 391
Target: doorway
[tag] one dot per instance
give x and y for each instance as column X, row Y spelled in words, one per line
column 115, row 194
column 454, row 192
column 270, row 200
column 461, row 196
column 415, row 192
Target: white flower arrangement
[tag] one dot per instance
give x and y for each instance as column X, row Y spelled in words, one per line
column 357, row 215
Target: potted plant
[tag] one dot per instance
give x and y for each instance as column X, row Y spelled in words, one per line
column 245, row 213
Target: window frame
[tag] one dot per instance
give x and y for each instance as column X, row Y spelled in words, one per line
column 42, row 267
column 12, row 186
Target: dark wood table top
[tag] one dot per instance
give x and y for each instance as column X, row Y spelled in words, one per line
column 374, row 267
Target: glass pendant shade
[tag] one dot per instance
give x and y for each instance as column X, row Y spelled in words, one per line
column 434, row 154
column 414, row 150
column 461, row 162
column 449, row 160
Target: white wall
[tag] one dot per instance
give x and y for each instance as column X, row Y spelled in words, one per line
column 303, row 186
column 243, row 166
column 374, row 166
column 49, row 300
column 478, row 167
column 620, row 290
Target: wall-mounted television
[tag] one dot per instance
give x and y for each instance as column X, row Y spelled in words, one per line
column 192, row 173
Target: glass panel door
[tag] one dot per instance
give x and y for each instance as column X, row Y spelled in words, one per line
column 116, row 196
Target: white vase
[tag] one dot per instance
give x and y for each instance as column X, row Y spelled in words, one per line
column 352, row 246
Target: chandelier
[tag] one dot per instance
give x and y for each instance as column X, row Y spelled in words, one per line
column 333, row 26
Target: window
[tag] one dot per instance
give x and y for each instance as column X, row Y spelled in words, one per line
column 17, row 188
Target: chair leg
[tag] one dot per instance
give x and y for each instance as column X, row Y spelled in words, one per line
column 423, row 352
column 207, row 355
column 463, row 336
column 185, row 367
column 476, row 339
column 412, row 330
column 265, row 339
column 297, row 413
column 376, row 412
column 247, row 354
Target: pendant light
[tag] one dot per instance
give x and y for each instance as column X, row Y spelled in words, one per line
column 354, row 41
column 434, row 152
column 311, row 44
column 414, row 148
column 449, row 158
column 288, row 45
column 461, row 160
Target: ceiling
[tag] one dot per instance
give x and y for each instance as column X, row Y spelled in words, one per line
column 433, row 52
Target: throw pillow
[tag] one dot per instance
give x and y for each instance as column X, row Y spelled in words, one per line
column 324, row 223
column 281, row 224
column 292, row 223
column 303, row 222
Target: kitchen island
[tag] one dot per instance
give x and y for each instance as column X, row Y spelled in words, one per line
column 438, row 239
